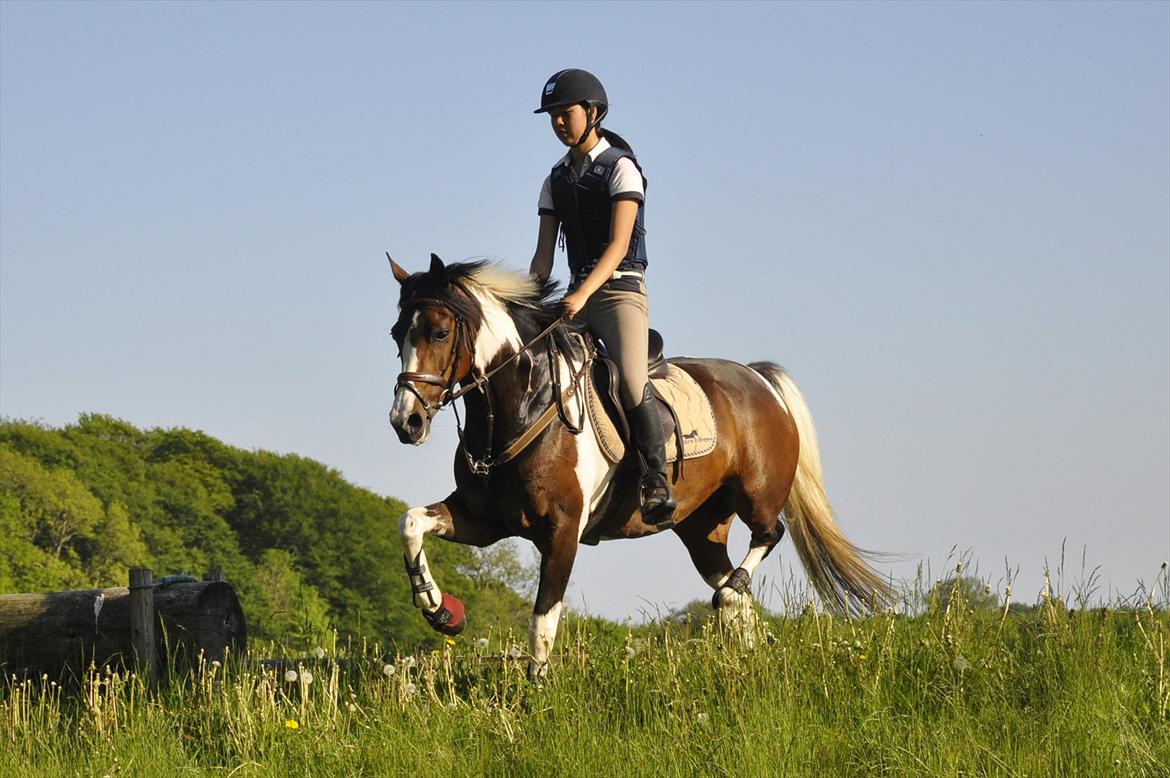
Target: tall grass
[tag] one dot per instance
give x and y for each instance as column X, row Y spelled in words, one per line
column 941, row 689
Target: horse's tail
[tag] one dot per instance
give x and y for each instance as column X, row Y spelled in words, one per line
column 836, row 568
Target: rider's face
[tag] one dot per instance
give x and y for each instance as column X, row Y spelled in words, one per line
column 569, row 122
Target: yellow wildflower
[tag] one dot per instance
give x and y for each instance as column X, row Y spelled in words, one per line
column 291, row 724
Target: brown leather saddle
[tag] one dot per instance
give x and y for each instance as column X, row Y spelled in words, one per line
column 606, row 382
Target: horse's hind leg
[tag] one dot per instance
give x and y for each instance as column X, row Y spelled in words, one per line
column 704, row 533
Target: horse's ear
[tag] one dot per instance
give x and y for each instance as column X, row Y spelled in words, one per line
column 399, row 274
column 438, row 270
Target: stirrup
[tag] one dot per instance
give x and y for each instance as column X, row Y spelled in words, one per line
column 657, row 511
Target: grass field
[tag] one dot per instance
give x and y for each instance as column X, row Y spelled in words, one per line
column 955, row 690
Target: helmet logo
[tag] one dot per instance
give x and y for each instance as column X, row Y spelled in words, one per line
column 550, row 86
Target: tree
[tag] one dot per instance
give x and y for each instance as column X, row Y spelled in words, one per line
column 962, row 589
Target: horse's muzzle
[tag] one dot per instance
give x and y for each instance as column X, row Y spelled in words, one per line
column 412, row 425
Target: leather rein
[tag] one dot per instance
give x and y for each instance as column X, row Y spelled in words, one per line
column 482, row 465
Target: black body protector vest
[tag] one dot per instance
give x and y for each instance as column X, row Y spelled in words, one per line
column 584, row 208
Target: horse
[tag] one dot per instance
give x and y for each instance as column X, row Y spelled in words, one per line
column 528, row 463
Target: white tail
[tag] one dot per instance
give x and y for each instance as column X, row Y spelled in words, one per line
column 836, row 568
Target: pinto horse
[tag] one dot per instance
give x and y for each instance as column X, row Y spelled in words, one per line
column 528, row 463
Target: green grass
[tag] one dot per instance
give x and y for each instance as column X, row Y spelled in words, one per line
column 954, row 691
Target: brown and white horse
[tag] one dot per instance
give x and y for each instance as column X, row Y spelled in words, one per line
column 491, row 336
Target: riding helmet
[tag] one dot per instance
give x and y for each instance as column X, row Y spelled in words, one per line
column 571, row 86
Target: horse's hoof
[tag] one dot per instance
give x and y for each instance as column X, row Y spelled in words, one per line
column 450, row 618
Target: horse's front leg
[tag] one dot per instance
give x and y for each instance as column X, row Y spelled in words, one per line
column 556, row 565
column 450, row 521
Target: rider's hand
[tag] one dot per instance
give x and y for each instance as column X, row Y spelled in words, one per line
column 572, row 304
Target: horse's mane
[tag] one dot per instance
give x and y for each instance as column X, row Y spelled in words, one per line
column 514, row 289
column 531, row 303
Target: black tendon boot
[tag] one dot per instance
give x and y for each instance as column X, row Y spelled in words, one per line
column 646, row 429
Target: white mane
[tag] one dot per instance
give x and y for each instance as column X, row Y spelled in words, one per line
column 506, row 285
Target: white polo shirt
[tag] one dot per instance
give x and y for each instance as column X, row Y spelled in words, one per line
column 625, row 184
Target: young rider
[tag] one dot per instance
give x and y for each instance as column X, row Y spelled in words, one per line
column 595, row 195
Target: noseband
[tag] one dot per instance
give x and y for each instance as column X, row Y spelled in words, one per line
column 482, row 465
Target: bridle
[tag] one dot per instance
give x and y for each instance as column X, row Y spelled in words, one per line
column 482, row 465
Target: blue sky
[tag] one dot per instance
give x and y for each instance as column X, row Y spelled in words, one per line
column 951, row 222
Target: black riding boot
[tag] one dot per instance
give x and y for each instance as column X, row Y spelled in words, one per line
column 646, row 429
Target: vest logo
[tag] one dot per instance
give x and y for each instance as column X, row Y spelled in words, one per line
column 598, row 170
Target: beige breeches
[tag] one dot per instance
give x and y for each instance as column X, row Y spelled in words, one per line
column 622, row 321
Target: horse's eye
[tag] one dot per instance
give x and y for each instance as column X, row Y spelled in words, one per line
column 441, row 335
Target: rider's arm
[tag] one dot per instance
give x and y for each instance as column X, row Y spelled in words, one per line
column 621, row 228
column 546, row 243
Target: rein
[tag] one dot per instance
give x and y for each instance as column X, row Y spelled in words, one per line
column 482, row 466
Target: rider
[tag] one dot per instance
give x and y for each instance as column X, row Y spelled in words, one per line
column 595, row 194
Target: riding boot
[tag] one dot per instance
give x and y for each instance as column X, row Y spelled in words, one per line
column 646, row 430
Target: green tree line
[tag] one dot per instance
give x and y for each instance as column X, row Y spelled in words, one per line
column 306, row 551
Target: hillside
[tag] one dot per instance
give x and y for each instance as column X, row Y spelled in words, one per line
column 307, row 551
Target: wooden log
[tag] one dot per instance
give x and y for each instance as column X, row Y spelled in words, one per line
column 49, row 633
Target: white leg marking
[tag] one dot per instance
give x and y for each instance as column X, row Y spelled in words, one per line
column 416, row 523
column 736, row 613
column 541, row 633
column 755, row 555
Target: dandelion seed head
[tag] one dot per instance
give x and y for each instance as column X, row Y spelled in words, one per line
column 481, row 643
column 702, row 718
column 319, row 652
column 410, row 688
column 215, row 663
column 514, row 652
column 290, row 676
column 389, row 670
column 408, row 662
column 960, row 663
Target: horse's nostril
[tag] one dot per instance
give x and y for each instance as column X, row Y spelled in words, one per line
column 414, row 421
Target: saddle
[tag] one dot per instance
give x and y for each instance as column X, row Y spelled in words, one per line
column 688, row 434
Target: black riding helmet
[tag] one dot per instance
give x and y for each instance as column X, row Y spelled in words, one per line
column 571, row 86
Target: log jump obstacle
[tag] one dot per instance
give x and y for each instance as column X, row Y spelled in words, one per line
column 63, row 632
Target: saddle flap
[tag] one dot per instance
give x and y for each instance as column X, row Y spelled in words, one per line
column 688, row 420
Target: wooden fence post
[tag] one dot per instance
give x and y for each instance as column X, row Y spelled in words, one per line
column 142, row 620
